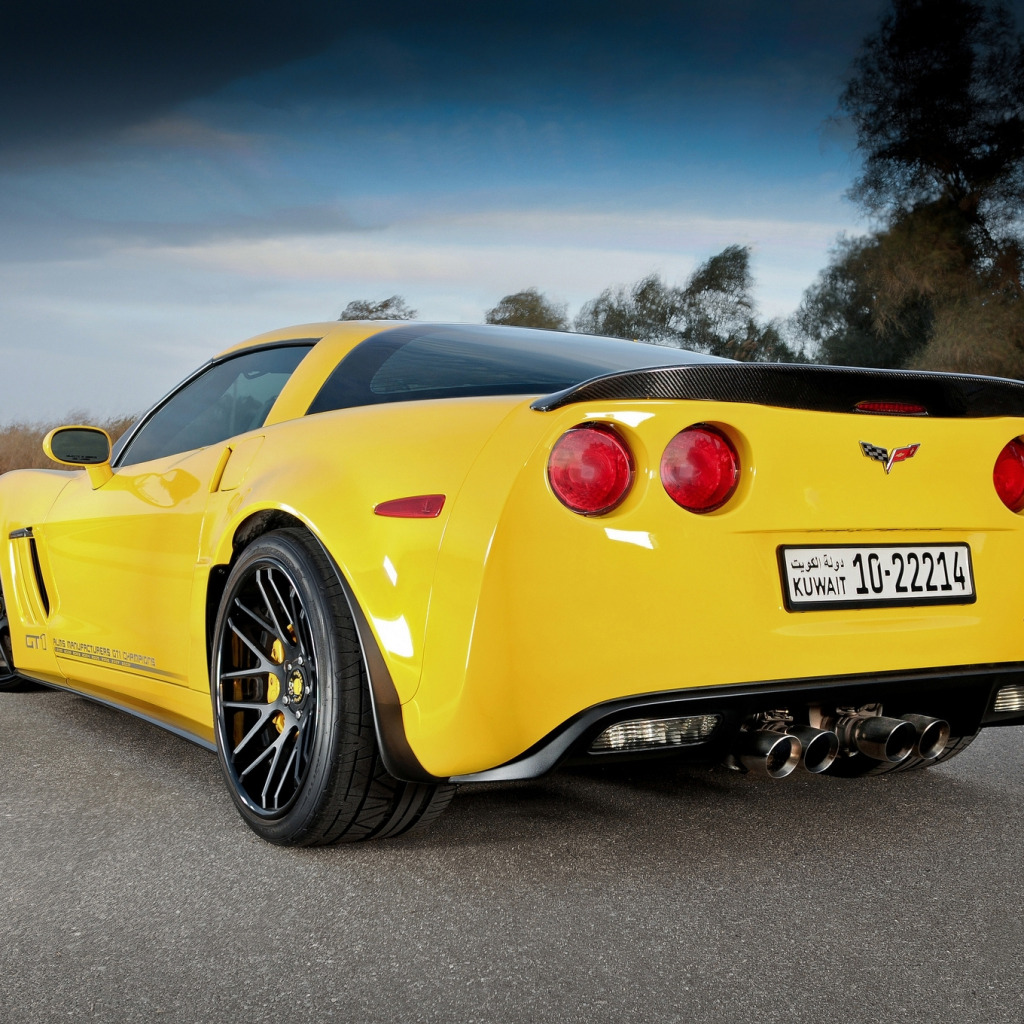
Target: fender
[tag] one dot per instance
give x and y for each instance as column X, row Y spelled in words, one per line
column 397, row 755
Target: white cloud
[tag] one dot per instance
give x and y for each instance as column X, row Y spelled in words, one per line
column 112, row 333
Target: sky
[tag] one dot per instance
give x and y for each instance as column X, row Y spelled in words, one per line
column 176, row 177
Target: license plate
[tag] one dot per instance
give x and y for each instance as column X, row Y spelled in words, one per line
column 856, row 575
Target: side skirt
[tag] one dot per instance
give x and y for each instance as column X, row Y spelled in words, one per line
column 174, row 725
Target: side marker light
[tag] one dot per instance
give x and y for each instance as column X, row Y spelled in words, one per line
column 421, row 506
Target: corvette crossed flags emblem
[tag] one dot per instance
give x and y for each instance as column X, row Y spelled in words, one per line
column 887, row 458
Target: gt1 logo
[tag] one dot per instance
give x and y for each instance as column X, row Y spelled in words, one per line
column 35, row 641
column 889, row 459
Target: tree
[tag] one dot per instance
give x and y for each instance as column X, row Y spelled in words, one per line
column 713, row 312
column 648, row 311
column 937, row 100
column 528, row 308
column 838, row 312
column 717, row 308
column 392, row 308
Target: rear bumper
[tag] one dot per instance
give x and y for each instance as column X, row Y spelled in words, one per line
column 965, row 696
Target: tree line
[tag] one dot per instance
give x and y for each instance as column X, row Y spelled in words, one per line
column 936, row 101
column 712, row 312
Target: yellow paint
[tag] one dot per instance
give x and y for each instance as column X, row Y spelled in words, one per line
column 507, row 614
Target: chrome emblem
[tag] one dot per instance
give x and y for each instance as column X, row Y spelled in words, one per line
column 886, row 458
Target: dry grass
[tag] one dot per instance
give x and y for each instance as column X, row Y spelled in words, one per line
column 21, row 444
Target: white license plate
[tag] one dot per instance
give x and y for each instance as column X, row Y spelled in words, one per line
column 852, row 575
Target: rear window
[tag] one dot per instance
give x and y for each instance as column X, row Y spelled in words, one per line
column 427, row 362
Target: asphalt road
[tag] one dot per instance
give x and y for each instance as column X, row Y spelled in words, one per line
column 131, row 891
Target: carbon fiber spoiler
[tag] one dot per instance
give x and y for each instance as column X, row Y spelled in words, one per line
column 800, row 386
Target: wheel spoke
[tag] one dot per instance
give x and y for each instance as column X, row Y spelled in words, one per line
column 278, row 747
column 259, row 620
column 285, row 771
column 306, row 647
column 279, row 630
column 265, row 664
column 297, row 618
column 260, row 758
column 264, row 716
column 244, row 673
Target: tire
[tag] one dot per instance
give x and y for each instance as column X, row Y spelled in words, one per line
column 291, row 706
column 9, row 678
column 854, row 766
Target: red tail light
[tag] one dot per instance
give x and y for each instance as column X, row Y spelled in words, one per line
column 700, row 469
column 590, row 469
column 1008, row 475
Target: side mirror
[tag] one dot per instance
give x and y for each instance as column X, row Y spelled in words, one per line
column 81, row 446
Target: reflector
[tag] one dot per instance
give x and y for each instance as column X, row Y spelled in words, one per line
column 655, row 733
column 1009, row 698
column 422, row 506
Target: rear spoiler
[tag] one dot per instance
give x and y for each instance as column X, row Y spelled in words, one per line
column 801, row 386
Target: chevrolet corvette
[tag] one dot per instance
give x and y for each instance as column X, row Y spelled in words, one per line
column 366, row 562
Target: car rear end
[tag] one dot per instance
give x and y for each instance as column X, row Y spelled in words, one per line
column 777, row 565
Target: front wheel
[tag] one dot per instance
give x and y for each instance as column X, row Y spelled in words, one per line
column 291, row 706
column 9, row 678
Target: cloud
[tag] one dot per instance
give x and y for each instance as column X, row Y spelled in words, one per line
column 178, row 131
column 570, row 254
column 87, row 70
column 69, row 238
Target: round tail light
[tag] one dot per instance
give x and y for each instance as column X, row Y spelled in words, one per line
column 590, row 469
column 700, row 469
column 1008, row 475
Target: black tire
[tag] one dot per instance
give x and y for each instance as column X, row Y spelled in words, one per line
column 9, row 678
column 854, row 766
column 291, row 706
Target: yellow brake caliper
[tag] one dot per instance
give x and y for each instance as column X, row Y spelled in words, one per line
column 274, row 684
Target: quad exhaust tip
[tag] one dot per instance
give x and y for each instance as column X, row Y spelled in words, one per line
column 766, row 752
column 895, row 739
column 820, row 746
column 777, row 748
column 884, row 739
column 932, row 735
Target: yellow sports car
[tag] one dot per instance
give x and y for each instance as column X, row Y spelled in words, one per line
column 369, row 561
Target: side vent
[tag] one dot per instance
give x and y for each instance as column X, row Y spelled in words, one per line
column 37, row 570
column 30, row 590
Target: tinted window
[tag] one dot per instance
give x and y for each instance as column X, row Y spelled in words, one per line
column 417, row 362
column 228, row 398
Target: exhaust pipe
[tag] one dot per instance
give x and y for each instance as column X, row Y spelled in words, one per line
column 765, row 752
column 820, row 747
column 884, row 739
column 932, row 735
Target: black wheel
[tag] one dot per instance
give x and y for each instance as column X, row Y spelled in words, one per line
column 291, row 706
column 854, row 766
column 9, row 678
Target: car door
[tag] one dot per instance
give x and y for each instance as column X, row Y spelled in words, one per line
column 122, row 556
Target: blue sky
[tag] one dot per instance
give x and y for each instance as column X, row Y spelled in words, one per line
column 177, row 177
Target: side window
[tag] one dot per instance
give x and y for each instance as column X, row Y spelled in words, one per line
column 229, row 398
